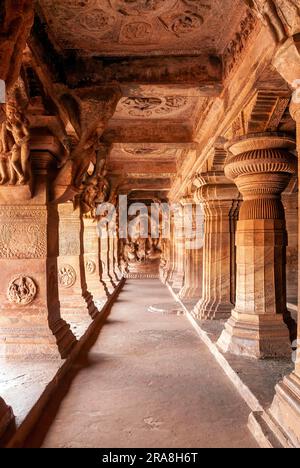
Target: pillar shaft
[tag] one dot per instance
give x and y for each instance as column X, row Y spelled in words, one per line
column 256, row 327
column 91, row 243
column 285, row 409
column 30, row 320
column 106, row 258
column 193, row 257
column 179, row 248
column 76, row 301
column 217, row 196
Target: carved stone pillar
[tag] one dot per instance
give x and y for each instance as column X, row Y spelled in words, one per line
column 6, row 418
column 91, row 243
column 285, row 409
column 193, row 256
column 179, row 248
column 30, row 320
column 117, row 268
column 77, row 306
column 171, row 264
column 261, row 167
column 106, row 243
column 218, row 198
column 290, row 203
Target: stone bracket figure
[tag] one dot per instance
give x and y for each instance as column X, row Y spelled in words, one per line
column 15, row 166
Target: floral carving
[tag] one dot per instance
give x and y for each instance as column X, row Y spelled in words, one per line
column 97, row 20
column 186, row 23
column 66, row 276
column 21, row 290
column 149, row 106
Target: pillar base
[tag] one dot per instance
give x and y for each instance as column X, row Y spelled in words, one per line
column 32, row 339
column 6, row 418
column 79, row 310
column 178, row 281
column 285, row 411
column 206, row 310
column 256, row 336
column 189, row 293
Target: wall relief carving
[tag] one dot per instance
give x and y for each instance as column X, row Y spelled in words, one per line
column 151, row 106
column 66, row 276
column 22, row 290
column 90, row 266
column 22, row 233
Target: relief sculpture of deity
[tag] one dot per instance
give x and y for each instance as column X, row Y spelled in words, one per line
column 15, row 168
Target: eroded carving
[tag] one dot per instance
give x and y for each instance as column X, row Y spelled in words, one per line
column 22, row 290
column 66, row 276
column 90, row 266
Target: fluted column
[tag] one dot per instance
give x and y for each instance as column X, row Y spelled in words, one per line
column 193, row 256
column 261, row 166
column 218, row 198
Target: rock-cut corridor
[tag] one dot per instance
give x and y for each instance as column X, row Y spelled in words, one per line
column 147, row 381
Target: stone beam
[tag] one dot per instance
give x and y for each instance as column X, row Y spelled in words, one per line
column 204, row 71
column 16, row 19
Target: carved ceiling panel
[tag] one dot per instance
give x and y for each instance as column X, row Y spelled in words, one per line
column 145, row 151
column 140, row 27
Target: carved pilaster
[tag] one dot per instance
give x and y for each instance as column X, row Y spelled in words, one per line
column 218, row 197
column 261, row 167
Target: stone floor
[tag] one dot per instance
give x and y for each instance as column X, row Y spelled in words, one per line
column 147, row 381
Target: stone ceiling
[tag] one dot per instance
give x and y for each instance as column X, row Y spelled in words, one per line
column 142, row 27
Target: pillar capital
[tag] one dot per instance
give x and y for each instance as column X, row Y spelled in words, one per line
column 215, row 186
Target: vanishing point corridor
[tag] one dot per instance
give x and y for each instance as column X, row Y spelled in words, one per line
column 146, row 382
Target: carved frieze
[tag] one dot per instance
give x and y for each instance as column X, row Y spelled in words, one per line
column 22, row 291
column 22, row 233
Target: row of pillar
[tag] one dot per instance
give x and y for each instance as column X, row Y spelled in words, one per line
column 244, row 260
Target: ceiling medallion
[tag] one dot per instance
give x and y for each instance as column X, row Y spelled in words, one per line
column 151, row 106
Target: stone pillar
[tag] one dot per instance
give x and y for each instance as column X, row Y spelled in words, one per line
column 261, row 167
column 290, row 203
column 105, row 258
column 285, row 409
column 193, row 257
column 117, row 267
column 91, row 243
column 30, row 322
column 171, row 264
column 77, row 306
column 179, row 248
column 218, row 198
